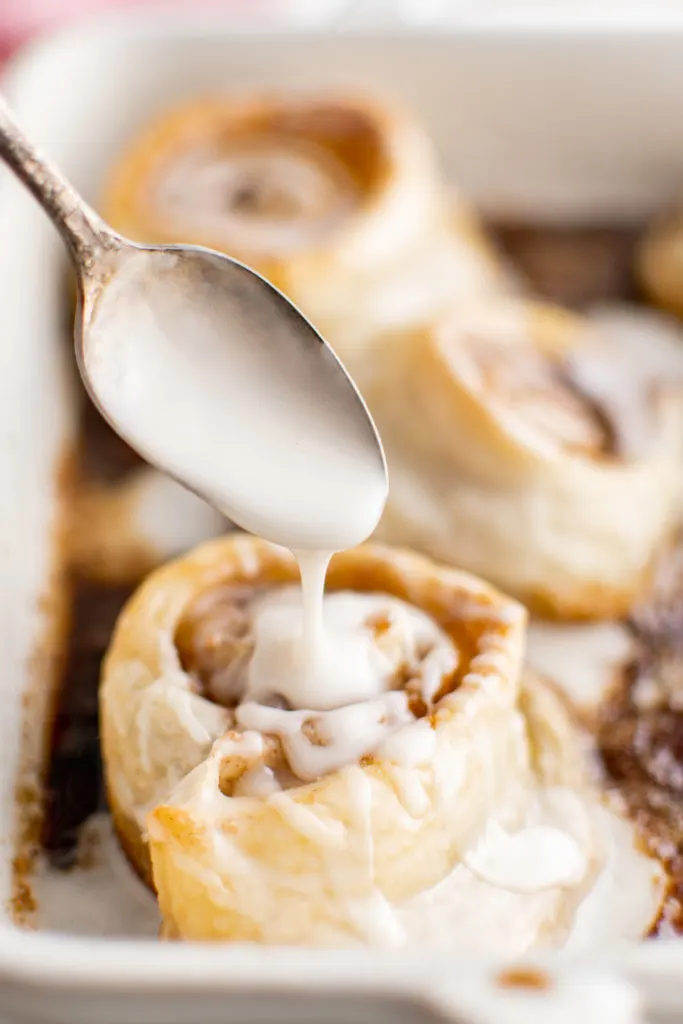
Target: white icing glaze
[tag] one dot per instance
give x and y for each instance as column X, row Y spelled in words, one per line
column 510, row 914
column 259, row 782
column 336, row 667
column 605, row 917
column 340, row 736
column 518, row 887
column 536, row 858
column 355, row 661
column 414, row 745
column 464, row 911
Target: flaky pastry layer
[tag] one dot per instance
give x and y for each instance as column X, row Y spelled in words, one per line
column 156, row 728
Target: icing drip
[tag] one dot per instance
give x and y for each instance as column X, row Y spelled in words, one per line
column 315, row 745
column 336, row 689
column 372, row 643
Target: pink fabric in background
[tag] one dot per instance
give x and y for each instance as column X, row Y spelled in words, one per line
column 22, row 19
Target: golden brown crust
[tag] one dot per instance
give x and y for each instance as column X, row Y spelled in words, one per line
column 590, row 602
column 130, row 838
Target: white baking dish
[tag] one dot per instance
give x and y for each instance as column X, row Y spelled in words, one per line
column 536, row 122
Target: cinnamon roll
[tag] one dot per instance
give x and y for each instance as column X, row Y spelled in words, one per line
column 453, row 799
column 337, row 201
column 659, row 263
column 121, row 531
column 535, row 448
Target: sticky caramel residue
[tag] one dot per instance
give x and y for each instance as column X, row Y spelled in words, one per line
column 640, row 733
column 44, row 673
column 524, row 977
column 56, row 789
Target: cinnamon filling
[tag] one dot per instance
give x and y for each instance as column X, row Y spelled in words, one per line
column 271, row 179
column 539, row 390
column 262, row 197
column 214, row 641
column 594, row 387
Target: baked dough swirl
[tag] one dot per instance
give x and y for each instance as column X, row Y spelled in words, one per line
column 337, row 201
column 278, row 824
column 535, row 448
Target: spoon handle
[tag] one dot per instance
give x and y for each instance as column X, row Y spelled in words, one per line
column 83, row 231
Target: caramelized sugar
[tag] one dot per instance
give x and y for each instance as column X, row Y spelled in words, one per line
column 74, row 783
column 73, row 786
column 640, row 733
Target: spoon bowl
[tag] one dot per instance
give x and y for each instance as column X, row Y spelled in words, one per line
column 214, row 376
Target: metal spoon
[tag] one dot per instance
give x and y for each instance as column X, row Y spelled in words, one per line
column 167, row 335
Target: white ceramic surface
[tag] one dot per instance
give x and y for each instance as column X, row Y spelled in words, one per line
column 575, row 124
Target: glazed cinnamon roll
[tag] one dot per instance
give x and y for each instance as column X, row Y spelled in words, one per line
column 337, row 201
column 535, row 448
column 451, row 798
